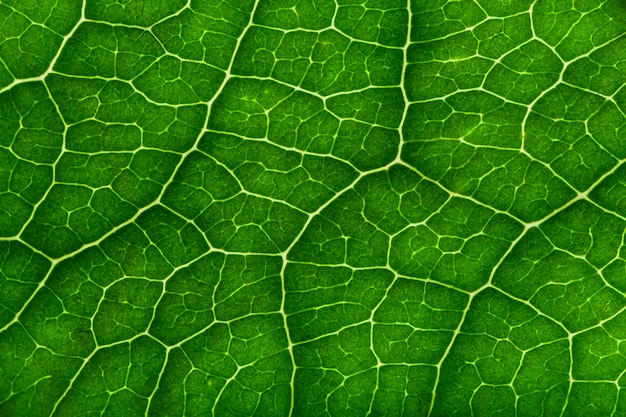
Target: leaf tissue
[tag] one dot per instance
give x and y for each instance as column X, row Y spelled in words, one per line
column 313, row 208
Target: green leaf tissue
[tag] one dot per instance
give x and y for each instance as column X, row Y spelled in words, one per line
column 299, row 208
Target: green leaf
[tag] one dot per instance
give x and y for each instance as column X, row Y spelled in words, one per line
column 312, row 208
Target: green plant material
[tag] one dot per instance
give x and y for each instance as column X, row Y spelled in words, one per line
column 312, row 208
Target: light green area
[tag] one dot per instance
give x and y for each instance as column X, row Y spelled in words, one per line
column 312, row 208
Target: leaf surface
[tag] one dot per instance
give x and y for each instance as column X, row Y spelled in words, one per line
column 312, row 208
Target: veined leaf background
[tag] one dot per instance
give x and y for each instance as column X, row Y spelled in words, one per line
column 312, row 208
